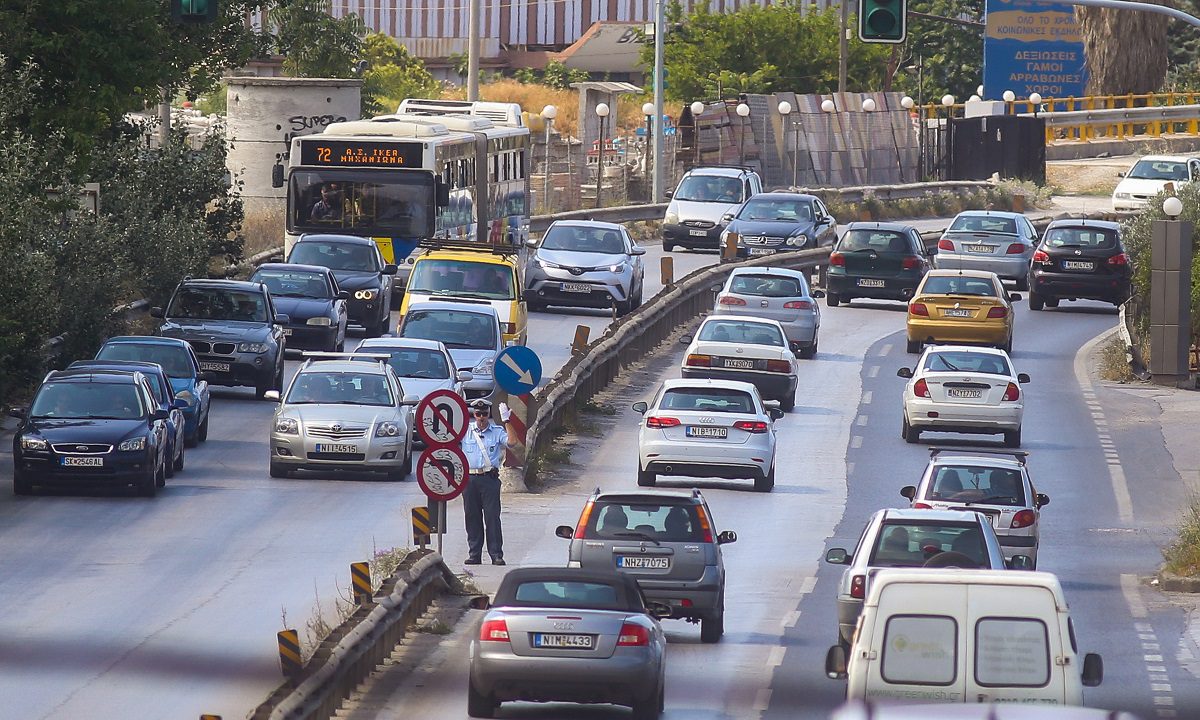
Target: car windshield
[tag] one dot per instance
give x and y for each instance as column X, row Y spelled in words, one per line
column 708, row 399
column 772, row 286
column 203, row 303
column 93, row 400
column 881, row 241
column 289, row 283
column 463, row 278
column 175, row 361
column 910, row 544
column 578, row 238
column 416, row 362
column 652, row 521
column 966, row 361
column 984, row 223
column 958, row 285
column 1085, row 238
column 355, row 257
column 454, row 328
column 709, row 188
column 799, row 211
column 547, row 593
column 977, row 484
column 737, row 331
column 318, row 387
column 1158, row 170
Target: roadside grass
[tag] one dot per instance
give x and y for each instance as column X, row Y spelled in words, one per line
column 262, row 228
column 599, row 408
column 1112, row 364
column 1182, row 556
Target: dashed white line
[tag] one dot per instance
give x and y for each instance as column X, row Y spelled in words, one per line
column 867, row 397
column 873, row 371
column 861, row 420
column 1154, row 687
column 1137, row 608
column 886, row 349
column 790, row 620
column 856, row 441
column 762, row 699
column 775, row 659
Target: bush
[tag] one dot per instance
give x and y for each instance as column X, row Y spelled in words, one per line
column 1136, row 234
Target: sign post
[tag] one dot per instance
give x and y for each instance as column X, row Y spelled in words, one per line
column 441, row 421
column 442, row 475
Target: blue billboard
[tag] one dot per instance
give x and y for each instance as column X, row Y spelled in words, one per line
column 1031, row 47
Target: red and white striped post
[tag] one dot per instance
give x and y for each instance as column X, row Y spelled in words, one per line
column 514, row 457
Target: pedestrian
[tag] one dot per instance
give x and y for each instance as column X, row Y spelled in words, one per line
column 484, row 446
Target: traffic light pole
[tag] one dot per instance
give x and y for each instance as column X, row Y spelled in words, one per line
column 660, row 160
column 843, row 47
column 1127, row 5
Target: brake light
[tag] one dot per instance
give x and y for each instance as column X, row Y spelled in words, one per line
column 797, row 305
column 661, row 422
column 699, row 360
column 1015, row 249
column 910, row 262
column 494, row 631
column 837, row 260
column 751, row 426
column 1118, row 260
column 918, row 309
column 1012, row 393
column 922, row 506
column 1024, row 518
column 584, row 517
column 858, row 586
column 633, row 635
column 779, row 366
column 997, row 312
column 921, row 388
column 1040, row 256
column 730, row 300
column 705, row 526
column 945, row 244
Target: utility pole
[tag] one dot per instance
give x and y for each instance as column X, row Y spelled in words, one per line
column 473, row 48
column 657, row 128
column 164, row 118
column 843, row 46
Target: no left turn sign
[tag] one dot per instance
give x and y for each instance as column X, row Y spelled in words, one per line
column 442, row 418
column 442, row 472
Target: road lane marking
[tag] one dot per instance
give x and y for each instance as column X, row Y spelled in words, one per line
column 1137, row 608
column 861, row 420
column 791, row 619
column 867, row 397
column 886, row 349
column 873, row 371
column 856, row 441
column 776, row 657
column 762, row 700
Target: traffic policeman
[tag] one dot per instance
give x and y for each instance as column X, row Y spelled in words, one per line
column 484, row 446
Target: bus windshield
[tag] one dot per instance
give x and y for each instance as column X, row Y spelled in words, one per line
column 385, row 203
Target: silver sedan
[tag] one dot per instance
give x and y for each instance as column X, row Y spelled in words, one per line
column 990, row 240
column 776, row 294
column 584, row 263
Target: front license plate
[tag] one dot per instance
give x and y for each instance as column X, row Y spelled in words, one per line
column 575, row 642
column 641, row 562
column 956, row 312
column 336, row 448
column 1077, row 265
column 83, row 462
column 761, row 251
column 698, row 233
column 868, row 282
column 215, row 367
column 989, row 249
column 964, row 394
column 739, row 364
column 287, row 332
column 702, row 431
column 576, row 287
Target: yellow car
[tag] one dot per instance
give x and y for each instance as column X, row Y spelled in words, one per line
column 472, row 276
column 961, row 306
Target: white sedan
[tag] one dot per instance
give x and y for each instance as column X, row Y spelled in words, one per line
column 962, row 389
column 708, row 428
column 746, row 349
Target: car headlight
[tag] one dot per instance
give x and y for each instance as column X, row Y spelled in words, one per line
column 618, row 268
column 287, row 426
column 256, row 348
column 671, row 218
column 485, row 366
column 28, row 442
column 799, row 240
column 368, row 294
column 387, row 429
column 133, row 444
column 1122, row 196
column 320, row 321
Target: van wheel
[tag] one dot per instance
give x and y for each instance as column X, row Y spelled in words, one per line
column 647, row 478
column 712, row 627
column 787, row 403
column 478, row 704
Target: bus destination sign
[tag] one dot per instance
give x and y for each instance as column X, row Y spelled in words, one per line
column 359, row 153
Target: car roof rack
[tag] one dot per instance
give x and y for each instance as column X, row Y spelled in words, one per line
column 1020, row 455
column 468, row 246
column 746, row 168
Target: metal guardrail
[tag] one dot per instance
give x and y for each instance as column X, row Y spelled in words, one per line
column 621, row 214
column 1121, row 123
column 899, row 192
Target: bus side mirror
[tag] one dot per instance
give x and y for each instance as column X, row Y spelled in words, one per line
column 277, row 176
column 441, row 192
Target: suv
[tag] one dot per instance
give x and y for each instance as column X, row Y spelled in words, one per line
column 663, row 538
column 696, row 214
column 1079, row 259
column 234, row 329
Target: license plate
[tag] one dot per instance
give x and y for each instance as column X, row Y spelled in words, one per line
column 576, row 287
column 336, row 448
column 83, row 461
column 287, row 332
column 981, row 248
column 761, row 251
column 956, row 312
column 215, row 367
column 868, row 282
column 965, row 394
column 698, row 233
column 702, row 431
column 641, row 562
column 548, row 640
column 1077, row 265
column 739, row 364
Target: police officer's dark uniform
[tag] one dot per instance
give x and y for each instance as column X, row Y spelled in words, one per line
column 484, row 448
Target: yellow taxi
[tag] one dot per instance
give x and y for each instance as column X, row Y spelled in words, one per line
column 961, row 306
column 472, row 276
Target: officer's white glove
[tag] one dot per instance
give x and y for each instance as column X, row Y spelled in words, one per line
column 505, row 413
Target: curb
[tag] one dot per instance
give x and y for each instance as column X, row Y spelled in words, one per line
column 1178, row 583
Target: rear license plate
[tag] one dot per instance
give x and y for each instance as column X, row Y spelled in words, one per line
column 83, row 462
column 956, row 312
column 964, row 394
column 761, row 251
column 642, row 562
column 215, row 367
column 739, row 364
column 575, row 642
column 698, row 233
column 701, row 431
column 989, row 249
column 1077, row 265
column 336, row 448
column 576, row 287
column 868, row 282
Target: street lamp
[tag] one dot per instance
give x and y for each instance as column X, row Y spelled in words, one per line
column 979, row 91
column 785, row 109
column 548, row 114
column 743, row 111
column 1173, row 207
column 697, row 108
column 1035, row 99
column 601, row 112
column 974, row 98
column 1008, row 96
column 869, row 107
column 648, row 111
column 942, row 150
column 827, row 107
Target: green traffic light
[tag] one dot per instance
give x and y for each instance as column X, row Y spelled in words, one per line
column 882, row 21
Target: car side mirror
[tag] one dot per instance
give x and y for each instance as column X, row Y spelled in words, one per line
column 658, row 610
column 1120, row 173
column 531, row 242
column 272, row 395
column 1022, row 378
column 160, row 414
column 1014, row 297
column 726, row 536
column 817, row 294
column 1043, row 500
column 180, row 404
column 686, row 339
column 835, row 663
column 641, row 407
column 17, row 412
column 1020, row 562
column 637, row 250
column 1093, row 670
column 669, row 193
column 566, row 532
column 464, row 376
column 277, row 176
column 776, row 413
column 389, row 269
column 904, row 373
column 908, row 491
column 410, row 400
column 479, row 602
column 837, row 556
column 156, row 312
column 282, row 318
column 343, row 295
column 727, row 217
column 441, row 193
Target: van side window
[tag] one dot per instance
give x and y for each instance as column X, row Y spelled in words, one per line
column 920, row 650
column 1011, row 652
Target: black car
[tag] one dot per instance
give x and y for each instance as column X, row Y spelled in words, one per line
column 309, row 295
column 773, row 222
column 91, row 427
column 359, row 269
column 878, row 260
column 234, row 329
column 1079, row 259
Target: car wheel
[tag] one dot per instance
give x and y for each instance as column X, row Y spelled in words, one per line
column 910, row 433
column 179, row 461
column 1036, row 301
column 1051, row 302
column 712, row 627
column 810, row 352
column 534, row 306
column 646, row 478
column 668, row 246
column 148, row 485
column 637, row 302
column 624, row 308
column 1007, row 346
column 1012, row 438
column 832, row 299
column 478, row 704
column 651, row 707
column 914, row 347
column 160, row 480
column 765, row 483
column 202, row 431
column 279, row 471
column 21, row 486
column 1023, row 284
column 787, row 403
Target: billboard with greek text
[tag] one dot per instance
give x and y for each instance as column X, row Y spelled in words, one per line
column 1029, row 47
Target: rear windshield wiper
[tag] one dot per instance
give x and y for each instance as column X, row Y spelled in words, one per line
column 636, row 534
column 991, row 498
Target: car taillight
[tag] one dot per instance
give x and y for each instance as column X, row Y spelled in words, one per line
column 798, row 305
column 1117, row 260
column 658, row 421
column 1024, row 518
column 751, row 426
column 922, row 506
column 494, row 631
column 945, row 244
column 730, row 300
column 1012, row 393
column 1015, row 249
column 918, row 309
column 1040, row 256
column 705, row 526
column 997, row 312
column 910, row 262
column 698, row 360
column 779, row 366
column 858, row 586
column 837, row 259
column 584, row 517
column 921, row 388
column 633, row 635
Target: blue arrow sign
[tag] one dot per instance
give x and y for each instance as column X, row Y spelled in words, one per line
column 517, row 370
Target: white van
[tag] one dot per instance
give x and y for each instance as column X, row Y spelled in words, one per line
column 965, row 636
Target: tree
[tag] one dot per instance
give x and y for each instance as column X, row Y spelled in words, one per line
column 558, row 76
column 1126, row 50
column 313, row 42
column 1183, row 51
column 951, row 54
column 392, row 75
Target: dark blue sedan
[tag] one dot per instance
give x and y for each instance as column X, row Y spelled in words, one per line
column 179, row 361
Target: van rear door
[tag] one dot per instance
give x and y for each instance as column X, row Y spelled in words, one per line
column 1016, row 645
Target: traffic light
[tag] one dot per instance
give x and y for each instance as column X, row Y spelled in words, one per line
column 194, row 11
column 882, row 21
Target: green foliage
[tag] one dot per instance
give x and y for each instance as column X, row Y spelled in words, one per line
column 392, row 75
column 313, row 42
column 215, row 102
column 1136, row 235
column 557, row 75
column 1183, row 51
column 461, row 62
column 952, row 55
